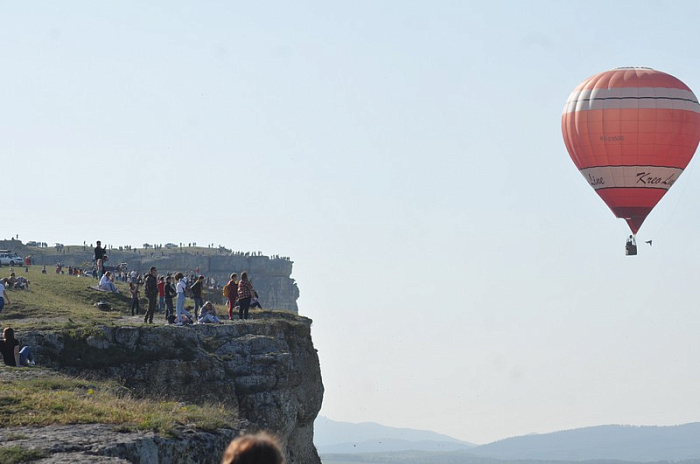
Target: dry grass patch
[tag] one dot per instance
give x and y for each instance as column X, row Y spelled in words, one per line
column 55, row 399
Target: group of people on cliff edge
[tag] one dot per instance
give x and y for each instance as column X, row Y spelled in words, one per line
column 241, row 294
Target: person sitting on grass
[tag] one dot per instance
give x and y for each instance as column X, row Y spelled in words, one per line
column 107, row 284
column 22, row 283
column 11, row 281
column 254, row 303
column 11, row 354
column 208, row 314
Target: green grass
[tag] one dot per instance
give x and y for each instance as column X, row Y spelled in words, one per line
column 55, row 300
column 17, row 455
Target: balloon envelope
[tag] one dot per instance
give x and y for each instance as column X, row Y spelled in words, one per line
column 631, row 132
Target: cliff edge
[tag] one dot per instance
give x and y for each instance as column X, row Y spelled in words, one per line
column 265, row 367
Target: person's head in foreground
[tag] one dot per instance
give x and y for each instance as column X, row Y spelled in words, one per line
column 260, row 448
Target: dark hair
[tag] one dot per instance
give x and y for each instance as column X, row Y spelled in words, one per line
column 260, row 448
column 244, row 275
column 178, row 276
column 8, row 334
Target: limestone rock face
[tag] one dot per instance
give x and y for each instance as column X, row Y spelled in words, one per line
column 266, row 368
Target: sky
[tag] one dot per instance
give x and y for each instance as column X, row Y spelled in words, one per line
column 461, row 275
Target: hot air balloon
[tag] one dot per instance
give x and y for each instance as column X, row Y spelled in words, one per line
column 631, row 132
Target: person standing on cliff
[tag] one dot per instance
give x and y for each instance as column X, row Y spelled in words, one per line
column 197, row 288
column 231, row 293
column 151, row 290
column 245, row 293
column 134, row 290
column 170, row 293
column 161, row 293
column 180, row 303
column 100, row 258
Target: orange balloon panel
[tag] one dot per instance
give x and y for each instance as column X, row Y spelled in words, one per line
column 631, row 132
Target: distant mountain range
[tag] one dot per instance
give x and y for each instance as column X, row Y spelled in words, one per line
column 368, row 437
column 340, row 442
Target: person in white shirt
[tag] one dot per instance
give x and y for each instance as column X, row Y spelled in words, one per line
column 107, row 284
column 180, row 303
column 208, row 314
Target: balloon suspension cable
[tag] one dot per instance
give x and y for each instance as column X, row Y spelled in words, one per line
column 682, row 193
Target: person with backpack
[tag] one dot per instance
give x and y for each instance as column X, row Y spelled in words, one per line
column 231, row 293
column 151, row 290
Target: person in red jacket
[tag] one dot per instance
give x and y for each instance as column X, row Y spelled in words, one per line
column 231, row 293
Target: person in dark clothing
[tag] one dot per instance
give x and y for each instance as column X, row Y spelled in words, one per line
column 11, row 354
column 170, row 293
column 151, row 290
column 197, row 288
column 231, row 294
column 100, row 258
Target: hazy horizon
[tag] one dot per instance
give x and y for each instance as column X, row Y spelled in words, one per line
column 461, row 275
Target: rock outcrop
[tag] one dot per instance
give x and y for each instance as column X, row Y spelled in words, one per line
column 266, row 368
column 105, row 444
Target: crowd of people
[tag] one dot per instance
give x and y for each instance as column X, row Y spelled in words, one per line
column 167, row 293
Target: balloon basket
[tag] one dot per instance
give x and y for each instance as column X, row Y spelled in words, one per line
column 631, row 246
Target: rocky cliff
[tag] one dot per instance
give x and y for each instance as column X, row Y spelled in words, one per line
column 266, row 368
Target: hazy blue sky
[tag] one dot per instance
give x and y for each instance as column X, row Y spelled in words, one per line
column 461, row 274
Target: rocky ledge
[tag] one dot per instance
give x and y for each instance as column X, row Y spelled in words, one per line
column 266, row 368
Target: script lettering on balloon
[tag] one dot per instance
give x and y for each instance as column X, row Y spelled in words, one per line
column 648, row 178
column 595, row 180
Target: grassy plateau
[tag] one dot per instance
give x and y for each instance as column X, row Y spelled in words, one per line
column 38, row 396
